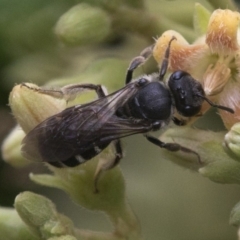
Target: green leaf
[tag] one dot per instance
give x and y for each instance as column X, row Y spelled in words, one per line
column 200, row 19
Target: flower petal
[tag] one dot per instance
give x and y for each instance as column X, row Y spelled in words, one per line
column 230, row 97
column 215, row 78
column 222, row 31
column 183, row 56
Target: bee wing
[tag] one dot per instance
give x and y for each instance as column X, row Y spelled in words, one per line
column 79, row 128
column 117, row 128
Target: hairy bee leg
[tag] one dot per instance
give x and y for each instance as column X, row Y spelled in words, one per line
column 73, row 90
column 165, row 61
column 138, row 61
column 68, row 92
column 109, row 165
column 173, row 147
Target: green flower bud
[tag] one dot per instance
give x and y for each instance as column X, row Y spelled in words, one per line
column 11, row 148
column 232, row 140
column 235, row 215
column 222, row 171
column 83, row 24
column 30, row 107
column 41, row 216
column 12, row 227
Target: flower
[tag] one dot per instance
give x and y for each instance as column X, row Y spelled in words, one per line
column 213, row 59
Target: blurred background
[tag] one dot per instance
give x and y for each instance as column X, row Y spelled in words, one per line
column 170, row 202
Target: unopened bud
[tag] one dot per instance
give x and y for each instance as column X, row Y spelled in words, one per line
column 83, row 24
column 31, row 107
column 232, row 140
column 41, row 216
column 11, row 148
column 235, row 215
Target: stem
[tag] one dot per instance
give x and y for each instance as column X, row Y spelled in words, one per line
column 125, row 222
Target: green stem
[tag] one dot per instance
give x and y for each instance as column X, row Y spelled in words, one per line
column 125, row 222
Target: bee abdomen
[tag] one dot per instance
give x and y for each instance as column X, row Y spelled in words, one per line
column 81, row 157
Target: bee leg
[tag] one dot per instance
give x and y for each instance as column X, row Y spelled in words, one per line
column 68, row 92
column 173, row 147
column 109, row 165
column 164, row 66
column 138, row 61
column 73, row 90
column 143, row 57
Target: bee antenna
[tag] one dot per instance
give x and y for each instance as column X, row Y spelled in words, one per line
column 216, row 105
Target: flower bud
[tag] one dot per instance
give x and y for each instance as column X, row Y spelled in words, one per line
column 225, row 171
column 83, row 24
column 235, row 215
column 31, row 107
column 11, row 148
column 232, row 140
column 12, row 227
column 41, row 216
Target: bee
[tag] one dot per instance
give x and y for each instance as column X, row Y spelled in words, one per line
column 81, row 132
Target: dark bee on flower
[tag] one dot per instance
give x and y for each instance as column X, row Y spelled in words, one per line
column 145, row 104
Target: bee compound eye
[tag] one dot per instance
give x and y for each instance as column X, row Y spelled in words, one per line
column 177, row 75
